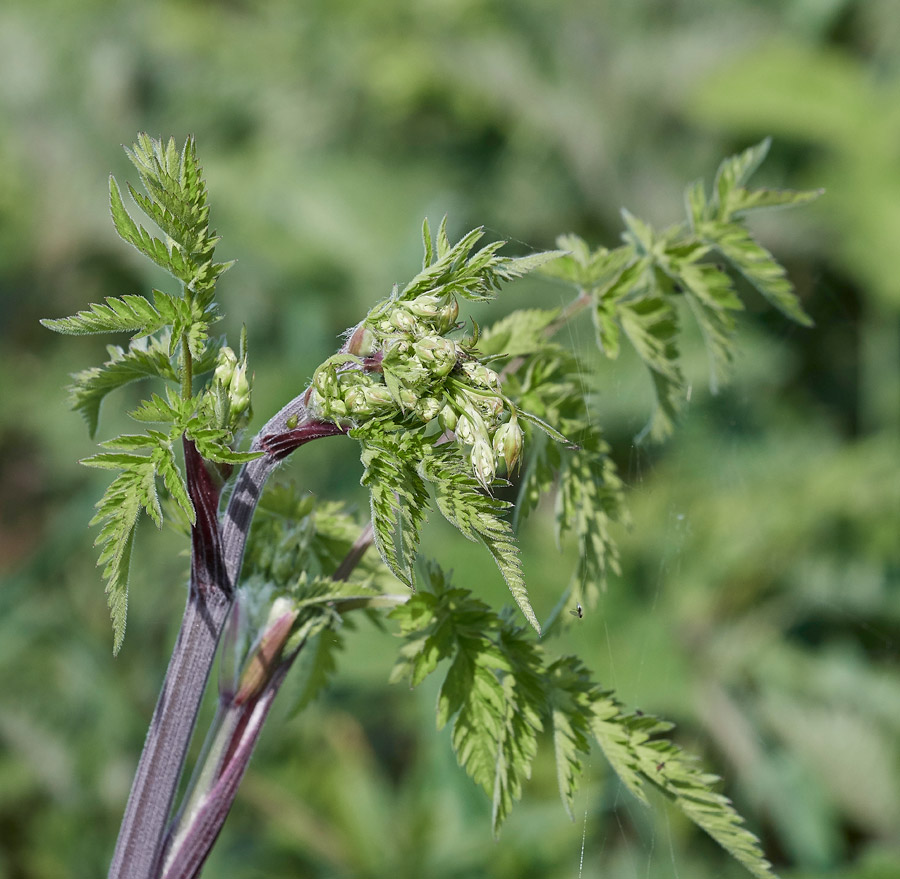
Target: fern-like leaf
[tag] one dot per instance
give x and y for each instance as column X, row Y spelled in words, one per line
column 731, row 198
column 143, row 359
column 176, row 201
column 479, row 518
column 569, row 714
column 652, row 328
column 128, row 313
column 456, row 270
column 587, row 269
column 589, row 500
column 757, row 265
column 632, row 744
column 133, row 490
column 213, row 444
column 520, row 332
column 733, row 173
column 501, row 690
column 492, row 691
column 399, row 501
column 317, row 666
column 117, row 513
column 159, row 411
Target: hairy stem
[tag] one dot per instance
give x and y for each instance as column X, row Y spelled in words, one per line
column 162, row 760
column 227, row 754
column 244, row 723
column 216, row 555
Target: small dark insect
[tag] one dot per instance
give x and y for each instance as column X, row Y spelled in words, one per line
column 638, row 712
column 578, row 612
column 661, row 766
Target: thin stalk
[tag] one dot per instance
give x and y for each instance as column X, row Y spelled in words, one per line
column 187, row 371
column 357, row 551
column 574, row 308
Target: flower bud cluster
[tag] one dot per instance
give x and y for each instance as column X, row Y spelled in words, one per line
column 347, row 395
column 401, row 357
column 477, row 420
column 231, row 378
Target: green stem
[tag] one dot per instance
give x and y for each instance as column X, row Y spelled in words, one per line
column 578, row 304
column 187, row 371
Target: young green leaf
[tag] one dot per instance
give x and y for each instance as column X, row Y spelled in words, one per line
column 159, row 411
column 631, row 743
column 520, row 332
column 492, row 691
column 733, row 173
column 176, row 201
column 213, row 443
column 317, row 665
column 589, row 501
column 117, row 513
column 399, row 501
column 587, row 269
column 652, row 328
column 478, row 517
column 147, row 358
column 501, row 690
column 569, row 714
column 757, row 265
column 129, row 313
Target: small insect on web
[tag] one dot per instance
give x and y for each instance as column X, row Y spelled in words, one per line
column 578, row 612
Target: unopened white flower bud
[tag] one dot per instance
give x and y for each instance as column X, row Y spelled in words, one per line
column 428, row 408
column 225, row 365
column 446, row 318
column 378, row 396
column 407, row 398
column 466, row 430
column 425, row 305
column 239, row 391
column 481, row 375
column 337, row 408
column 508, row 442
column 483, row 463
column 448, row 418
column 280, row 606
column 357, row 404
column 437, row 353
column 325, row 381
column 489, row 406
column 361, row 341
column 403, row 320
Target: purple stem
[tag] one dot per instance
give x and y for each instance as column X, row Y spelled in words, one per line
column 244, row 719
column 162, row 760
column 216, row 555
column 207, row 823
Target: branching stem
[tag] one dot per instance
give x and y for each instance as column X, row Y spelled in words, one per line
column 217, row 550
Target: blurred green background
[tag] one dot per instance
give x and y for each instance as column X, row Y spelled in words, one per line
column 759, row 605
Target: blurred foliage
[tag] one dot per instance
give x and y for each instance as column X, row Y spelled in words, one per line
column 759, row 602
